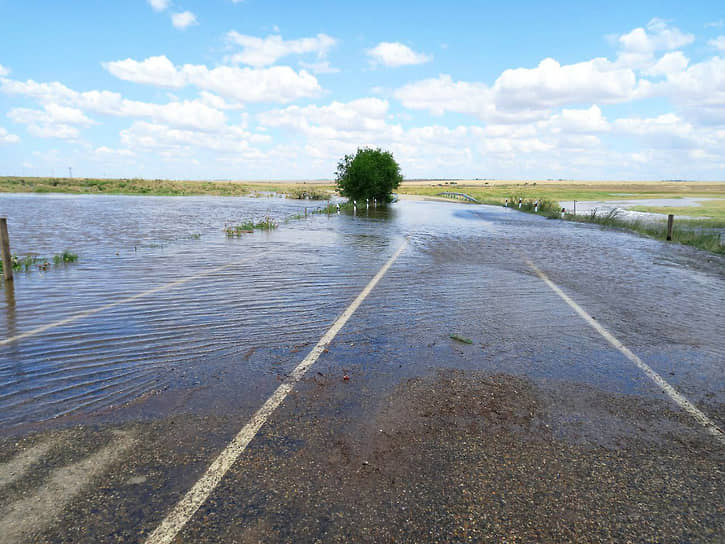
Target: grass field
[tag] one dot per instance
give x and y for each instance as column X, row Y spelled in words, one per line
column 493, row 192
column 496, row 191
column 153, row 187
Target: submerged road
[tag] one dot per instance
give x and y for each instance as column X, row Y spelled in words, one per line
column 588, row 407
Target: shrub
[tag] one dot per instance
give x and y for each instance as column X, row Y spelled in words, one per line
column 370, row 173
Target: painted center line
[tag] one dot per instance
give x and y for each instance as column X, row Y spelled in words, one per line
column 197, row 495
column 670, row 391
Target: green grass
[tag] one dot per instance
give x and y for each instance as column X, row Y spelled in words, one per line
column 27, row 263
column 267, row 223
column 237, row 230
column 684, row 232
column 65, row 257
column 528, row 205
column 460, row 338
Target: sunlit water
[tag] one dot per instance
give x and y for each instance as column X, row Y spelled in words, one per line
column 279, row 291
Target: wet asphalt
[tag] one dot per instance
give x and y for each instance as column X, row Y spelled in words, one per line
column 537, row 431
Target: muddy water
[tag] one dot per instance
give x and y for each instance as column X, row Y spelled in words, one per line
column 236, row 330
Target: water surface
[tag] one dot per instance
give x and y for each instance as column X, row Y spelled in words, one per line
column 236, row 331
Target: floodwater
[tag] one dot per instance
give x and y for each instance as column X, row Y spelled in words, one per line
column 190, row 309
column 603, row 207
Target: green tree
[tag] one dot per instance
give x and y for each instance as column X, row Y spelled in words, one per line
column 370, row 173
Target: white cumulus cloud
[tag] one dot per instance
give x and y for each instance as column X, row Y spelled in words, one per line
column 552, row 84
column 159, row 71
column 658, row 36
column 669, row 63
column 580, row 121
column 51, row 114
column 188, row 114
column 7, row 138
column 322, row 67
column 699, row 91
column 146, row 136
column 524, row 94
column 4, row 71
column 53, row 121
column 639, row 46
column 274, row 84
column 61, row 132
column 159, row 5
column 259, row 52
column 395, row 54
column 667, row 131
column 183, row 20
column 717, row 43
column 364, row 114
column 442, row 94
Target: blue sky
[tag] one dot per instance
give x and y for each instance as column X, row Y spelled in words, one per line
column 281, row 90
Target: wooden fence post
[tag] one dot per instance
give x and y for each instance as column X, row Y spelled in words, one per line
column 5, row 249
column 670, row 221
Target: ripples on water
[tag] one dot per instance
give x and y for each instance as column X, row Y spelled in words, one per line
column 280, row 289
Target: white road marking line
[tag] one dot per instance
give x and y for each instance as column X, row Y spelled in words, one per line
column 94, row 311
column 15, row 468
column 671, row 392
column 199, row 493
column 27, row 517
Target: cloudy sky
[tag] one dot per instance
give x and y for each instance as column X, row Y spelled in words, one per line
column 265, row 89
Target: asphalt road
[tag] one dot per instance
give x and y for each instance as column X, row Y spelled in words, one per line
column 542, row 429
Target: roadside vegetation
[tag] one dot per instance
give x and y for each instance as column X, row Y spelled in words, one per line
column 538, row 205
column 30, row 262
column 702, row 234
column 692, row 233
column 267, row 223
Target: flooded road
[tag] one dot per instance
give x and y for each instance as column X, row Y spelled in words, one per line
column 424, row 431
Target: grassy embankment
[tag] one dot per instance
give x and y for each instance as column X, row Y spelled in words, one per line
column 159, row 187
column 695, row 232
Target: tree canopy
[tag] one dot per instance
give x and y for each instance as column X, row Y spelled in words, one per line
column 370, row 173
